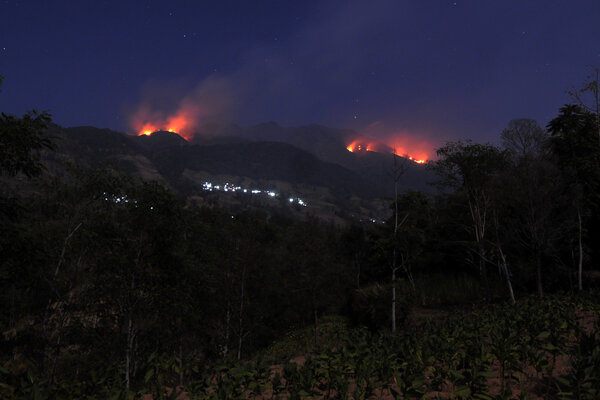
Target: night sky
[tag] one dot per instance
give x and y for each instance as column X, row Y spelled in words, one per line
column 432, row 70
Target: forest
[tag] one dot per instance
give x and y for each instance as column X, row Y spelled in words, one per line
column 111, row 287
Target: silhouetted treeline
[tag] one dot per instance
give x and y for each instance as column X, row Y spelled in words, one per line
column 101, row 269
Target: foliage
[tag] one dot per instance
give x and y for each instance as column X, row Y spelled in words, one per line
column 21, row 140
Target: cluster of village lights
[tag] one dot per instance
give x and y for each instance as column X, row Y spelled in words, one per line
column 228, row 187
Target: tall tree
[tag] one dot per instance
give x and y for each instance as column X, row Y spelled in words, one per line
column 470, row 168
column 22, row 140
column 314, row 274
column 399, row 168
column 535, row 190
column 577, row 149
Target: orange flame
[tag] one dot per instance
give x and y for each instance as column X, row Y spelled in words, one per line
column 357, row 146
column 415, row 154
column 418, row 157
column 179, row 107
column 147, row 129
column 415, row 146
column 176, row 124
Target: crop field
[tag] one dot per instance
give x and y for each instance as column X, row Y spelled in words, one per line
column 535, row 349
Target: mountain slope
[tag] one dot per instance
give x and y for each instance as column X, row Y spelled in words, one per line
column 338, row 184
column 329, row 144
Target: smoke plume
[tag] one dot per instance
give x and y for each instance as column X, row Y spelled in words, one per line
column 181, row 108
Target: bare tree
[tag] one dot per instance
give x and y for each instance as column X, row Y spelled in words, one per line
column 398, row 169
column 470, row 168
column 576, row 149
column 591, row 86
column 524, row 138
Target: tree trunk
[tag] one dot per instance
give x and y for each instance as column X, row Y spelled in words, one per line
column 241, row 316
column 478, row 217
column 580, row 269
column 393, row 299
column 181, row 361
column 397, row 171
column 357, row 262
column 406, row 267
column 227, row 327
column 57, row 348
column 316, row 329
column 131, row 332
column 49, row 305
column 13, row 309
column 506, row 274
column 538, row 268
column 128, row 352
column 483, row 271
column 503, row 263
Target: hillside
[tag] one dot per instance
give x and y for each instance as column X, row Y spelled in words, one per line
column 329, row 144
column 309, row 164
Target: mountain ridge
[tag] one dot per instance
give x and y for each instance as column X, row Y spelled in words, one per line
column 300, row 162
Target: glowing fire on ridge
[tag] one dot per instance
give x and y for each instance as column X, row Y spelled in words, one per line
column 149, row 130
column 176, row 124
column 356, row 147
column 418, row 157
column 421, row 158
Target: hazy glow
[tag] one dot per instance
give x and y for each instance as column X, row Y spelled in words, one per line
column 414, row 149
column 416, row 155
column 357, row 146
column 178, row 123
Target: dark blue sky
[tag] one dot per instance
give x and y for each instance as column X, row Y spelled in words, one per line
column 436, row 70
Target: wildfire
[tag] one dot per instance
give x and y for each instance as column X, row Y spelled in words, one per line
column 416, row 156
column 417, row 161
column 358, row 147
column 147, row 129
column 419, row 158
column 176, row 124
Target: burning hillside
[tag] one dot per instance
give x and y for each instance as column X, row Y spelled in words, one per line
column 416, row 155
column 357, row 147
column 176, row 107
column 179, row 123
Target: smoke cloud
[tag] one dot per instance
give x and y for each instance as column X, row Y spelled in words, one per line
column 179, row 107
